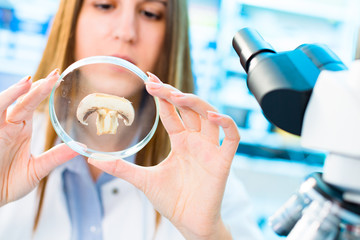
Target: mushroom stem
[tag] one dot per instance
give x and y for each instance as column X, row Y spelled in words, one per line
column 106, row 122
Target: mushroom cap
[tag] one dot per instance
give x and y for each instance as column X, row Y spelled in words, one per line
column 95, row 101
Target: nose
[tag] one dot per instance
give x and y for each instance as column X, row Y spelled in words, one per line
column 126, row 27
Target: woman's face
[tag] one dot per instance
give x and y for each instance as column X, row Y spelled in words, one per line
column 130, row 29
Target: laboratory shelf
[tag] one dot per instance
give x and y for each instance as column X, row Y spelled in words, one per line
column 332, row 10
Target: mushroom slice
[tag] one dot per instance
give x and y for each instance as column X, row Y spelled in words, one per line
column 108, row 108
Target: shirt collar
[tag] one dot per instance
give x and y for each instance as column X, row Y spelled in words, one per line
column 77, row 165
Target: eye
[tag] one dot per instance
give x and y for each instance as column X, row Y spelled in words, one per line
column 150, row 15
column 104, row 6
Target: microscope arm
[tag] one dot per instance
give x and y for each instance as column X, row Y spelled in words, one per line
column 332, row 123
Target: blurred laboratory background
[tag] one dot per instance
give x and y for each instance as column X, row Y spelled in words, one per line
column 271, row 163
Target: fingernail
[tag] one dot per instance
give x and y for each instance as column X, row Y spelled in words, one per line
column 154, row 85
column 54, row 72
column 153, row 77
column 25, row 80
column 177, row 94
column 212, row 114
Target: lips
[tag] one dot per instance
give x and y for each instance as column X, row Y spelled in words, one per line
column 124, row 57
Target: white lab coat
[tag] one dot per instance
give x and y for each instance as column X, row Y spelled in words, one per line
column 127, row 212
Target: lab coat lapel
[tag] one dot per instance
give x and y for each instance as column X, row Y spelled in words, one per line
column 54, row 220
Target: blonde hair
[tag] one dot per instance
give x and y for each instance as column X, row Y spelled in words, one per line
column 173, row 67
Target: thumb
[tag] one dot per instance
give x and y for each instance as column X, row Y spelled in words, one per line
column 134, row 174
column 52, row 158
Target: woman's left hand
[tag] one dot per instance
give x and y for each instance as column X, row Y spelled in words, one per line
column 188, row 186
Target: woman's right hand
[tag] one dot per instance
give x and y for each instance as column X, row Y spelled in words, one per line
column 20, row 171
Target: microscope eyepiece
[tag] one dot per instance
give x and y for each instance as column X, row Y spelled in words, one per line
column 248, row 43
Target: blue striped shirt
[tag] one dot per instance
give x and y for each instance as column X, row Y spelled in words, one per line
column 83, row 197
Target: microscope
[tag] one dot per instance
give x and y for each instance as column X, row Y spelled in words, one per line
column 309, row 92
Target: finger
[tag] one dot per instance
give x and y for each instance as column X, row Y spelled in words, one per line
column 131, row 173
column 3, row 117
column 199, row 107
column 157, row 88
column 153, row 78
column 168, row 114
column 10, row 95
column 210, row 129
column 52, row 158
column 191, row 119
column 191, row 101
column 33, row 85
column 170, row 118
column 24, row 109
column 232, row 136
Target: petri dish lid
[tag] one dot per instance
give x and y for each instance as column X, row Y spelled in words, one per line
column 101, row 108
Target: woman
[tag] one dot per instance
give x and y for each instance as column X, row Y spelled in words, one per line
column 180, row 192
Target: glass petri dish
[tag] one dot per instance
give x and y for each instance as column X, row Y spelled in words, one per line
column 101, row 108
